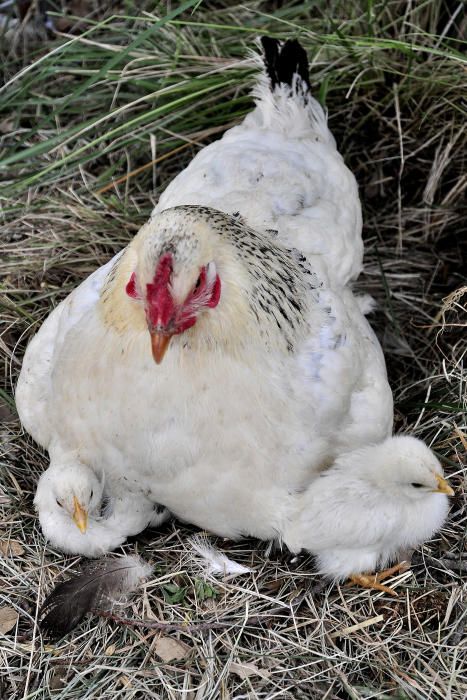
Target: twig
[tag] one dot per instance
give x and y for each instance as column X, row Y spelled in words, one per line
column 35, row 627
column 164, row 626
column 191, row 628
column 454, row 564
column 401, row 167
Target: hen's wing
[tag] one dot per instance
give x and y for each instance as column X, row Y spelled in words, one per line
column 34, row 383
column 342, row 370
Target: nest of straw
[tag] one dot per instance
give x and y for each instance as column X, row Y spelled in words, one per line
column 94, row 122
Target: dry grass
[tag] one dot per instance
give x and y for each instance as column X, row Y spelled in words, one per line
column 393, row 79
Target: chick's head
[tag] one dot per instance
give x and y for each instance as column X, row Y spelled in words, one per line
column 69, row 490
column 406, row 467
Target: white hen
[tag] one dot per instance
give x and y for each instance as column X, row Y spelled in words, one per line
column 270, row 369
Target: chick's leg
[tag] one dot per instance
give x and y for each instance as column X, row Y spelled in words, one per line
column 373, row 581
column 370, row 581
column 396, row 569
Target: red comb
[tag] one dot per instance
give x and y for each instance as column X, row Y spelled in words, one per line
column 160, row 305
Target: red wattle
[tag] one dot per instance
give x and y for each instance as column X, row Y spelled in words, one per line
column 161, row 311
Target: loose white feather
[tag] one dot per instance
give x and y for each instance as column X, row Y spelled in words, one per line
column 212, row 561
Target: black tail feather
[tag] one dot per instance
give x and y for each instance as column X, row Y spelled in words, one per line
column 283, row 62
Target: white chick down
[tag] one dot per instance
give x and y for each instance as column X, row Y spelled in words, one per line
column 370, row 505
column 79, row 518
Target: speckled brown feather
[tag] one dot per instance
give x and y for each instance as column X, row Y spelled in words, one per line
column 99, row 583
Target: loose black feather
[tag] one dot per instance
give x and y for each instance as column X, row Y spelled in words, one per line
column 100, row 583
column 283, row 62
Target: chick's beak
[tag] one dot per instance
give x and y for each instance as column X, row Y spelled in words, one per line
column 159, row 344
column 443, row 486
column 80, row 516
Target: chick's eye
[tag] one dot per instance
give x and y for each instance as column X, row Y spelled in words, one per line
column 92, row 494
column 416, row 485
column 59, row 503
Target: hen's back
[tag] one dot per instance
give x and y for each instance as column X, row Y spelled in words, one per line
column 281, row 171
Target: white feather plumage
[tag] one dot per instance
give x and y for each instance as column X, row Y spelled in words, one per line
column 277, row 382
column 212, row 561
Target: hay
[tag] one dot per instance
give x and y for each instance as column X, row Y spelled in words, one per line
column 121, row 95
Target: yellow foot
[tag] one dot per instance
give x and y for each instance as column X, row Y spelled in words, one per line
column 374, row 580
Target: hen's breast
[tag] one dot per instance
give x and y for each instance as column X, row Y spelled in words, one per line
column 209, row 437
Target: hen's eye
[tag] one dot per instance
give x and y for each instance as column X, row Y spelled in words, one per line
column 59, row 503
column 92, row 494
column 416, row 486
column 198, row 284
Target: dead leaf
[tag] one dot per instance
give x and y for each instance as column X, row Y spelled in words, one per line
column 8, row 619
column 6, row 126
column 58, row 678
column 110, row 651
column 11, row 548
column 6, row 414
column 245, row 670
column 169, row 649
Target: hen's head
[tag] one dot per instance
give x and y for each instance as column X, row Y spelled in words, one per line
column 198, row 271
column 176, row 277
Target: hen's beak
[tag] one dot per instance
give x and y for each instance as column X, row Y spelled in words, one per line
column 443, row 486
column 159, row 344
column 80, row 516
